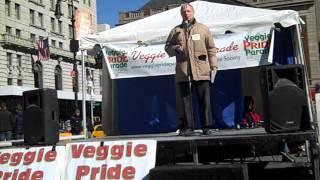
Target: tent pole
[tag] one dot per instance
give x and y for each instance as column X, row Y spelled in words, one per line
column 84, row 114
column 301, row 60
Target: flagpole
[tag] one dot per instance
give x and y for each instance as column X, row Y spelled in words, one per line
column 76, row 78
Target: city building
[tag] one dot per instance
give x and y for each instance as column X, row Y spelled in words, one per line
column 103, row 27
column 309, row 11
column 23, row 24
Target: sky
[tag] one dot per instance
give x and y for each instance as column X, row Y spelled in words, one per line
column 108, row 10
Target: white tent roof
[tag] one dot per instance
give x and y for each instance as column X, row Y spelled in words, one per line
column 218, row 17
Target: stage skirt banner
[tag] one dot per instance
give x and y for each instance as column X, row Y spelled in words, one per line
column 110, row 159
column 33, row 163
column 234, row 50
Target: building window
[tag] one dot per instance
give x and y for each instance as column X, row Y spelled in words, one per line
column 17, row 10
column 19, row 60
column 92, row 79
column 37, row 72
column 10, row 82
column 20, row 82
column 60, row 27
column 18, row 32
column 53, row 43
column 8, row 30
column 89, row 3
column 40, row 16
column 52, row 4
column 9, row 59
column 69, row 10
column 92, row 75
column 89, row 81
column 75, row 9
column 61, row 45
column 33, row 37
column 53, row 27
column 84, row 1
column 32, row 17
column 7, row 6
column 58, row 77
column 70, row 31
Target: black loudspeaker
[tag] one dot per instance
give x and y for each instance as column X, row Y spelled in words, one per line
column 286, row 103
column 40, row 116
column 205, row 172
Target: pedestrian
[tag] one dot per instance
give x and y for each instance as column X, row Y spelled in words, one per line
column 76, row 123
column 89, row 126
column 192, row 44
column 6, row 123
column 19, row 122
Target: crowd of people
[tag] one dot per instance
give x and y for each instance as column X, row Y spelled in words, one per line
column 11, row 123
column 74, row 124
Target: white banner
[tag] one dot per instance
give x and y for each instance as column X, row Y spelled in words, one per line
column 239, row 50
column 110, row 160
column 234, row 50
column 33, row 163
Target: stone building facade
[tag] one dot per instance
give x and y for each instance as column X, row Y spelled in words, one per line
column 22, row 24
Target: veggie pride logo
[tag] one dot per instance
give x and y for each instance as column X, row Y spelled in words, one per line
column 117, row 59
column 257, row 45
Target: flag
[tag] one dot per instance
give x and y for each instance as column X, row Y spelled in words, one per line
column 43, row 49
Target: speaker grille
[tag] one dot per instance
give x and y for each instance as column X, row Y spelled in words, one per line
column 285, row 98
column 41, row 124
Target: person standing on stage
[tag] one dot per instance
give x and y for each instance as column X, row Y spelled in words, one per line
column 192, row 44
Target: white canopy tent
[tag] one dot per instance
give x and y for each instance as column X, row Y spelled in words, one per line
column 218, row 17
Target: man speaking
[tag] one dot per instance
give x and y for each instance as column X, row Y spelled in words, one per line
column 193, row 46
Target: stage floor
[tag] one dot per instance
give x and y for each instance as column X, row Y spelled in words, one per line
column 220, row 137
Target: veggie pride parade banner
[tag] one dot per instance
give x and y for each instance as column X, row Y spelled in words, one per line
column 110, row 159
column 234, row 50
column 88, row 160
column 33, row 163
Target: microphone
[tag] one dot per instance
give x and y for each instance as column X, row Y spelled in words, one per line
column 186, row 24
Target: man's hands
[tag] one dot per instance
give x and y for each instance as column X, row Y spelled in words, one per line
column 213, row 68
column 179, row 49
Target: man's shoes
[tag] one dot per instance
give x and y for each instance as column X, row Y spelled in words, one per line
column 207, row 131
column 181, row 132
column 187, row 132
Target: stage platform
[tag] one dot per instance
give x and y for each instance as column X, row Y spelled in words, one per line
column 230, row 147
column 254, row 147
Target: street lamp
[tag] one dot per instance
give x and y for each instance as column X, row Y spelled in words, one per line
column 74, row 47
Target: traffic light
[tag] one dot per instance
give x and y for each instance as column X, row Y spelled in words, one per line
column 75, row 85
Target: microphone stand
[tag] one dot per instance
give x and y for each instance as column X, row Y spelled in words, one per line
column 189, row 71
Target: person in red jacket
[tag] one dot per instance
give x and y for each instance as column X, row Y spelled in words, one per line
column 250, row 119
